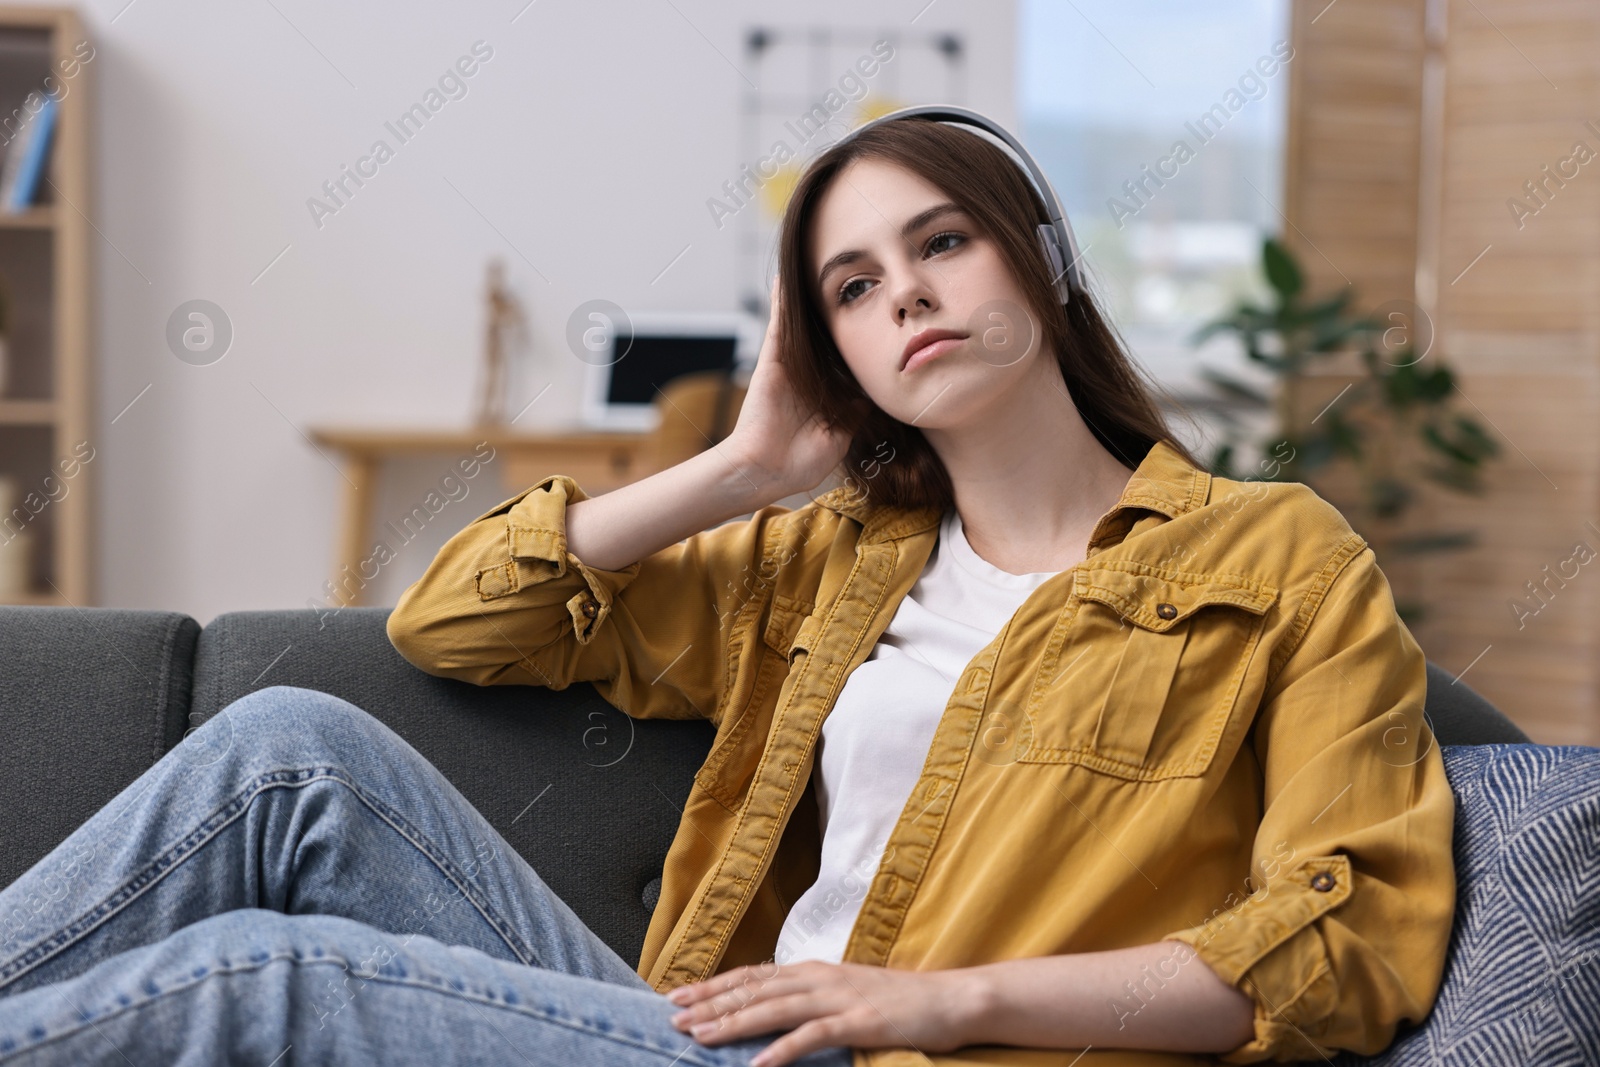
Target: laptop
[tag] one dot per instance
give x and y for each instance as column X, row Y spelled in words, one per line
column 629, row 357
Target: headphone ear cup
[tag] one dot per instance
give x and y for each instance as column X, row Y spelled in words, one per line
column 1050, row 242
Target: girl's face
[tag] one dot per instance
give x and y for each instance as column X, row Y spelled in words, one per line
column 894, row 258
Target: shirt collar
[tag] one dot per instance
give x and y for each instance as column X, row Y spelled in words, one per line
column 1163, row 482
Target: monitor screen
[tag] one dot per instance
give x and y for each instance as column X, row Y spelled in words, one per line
column 653, row 359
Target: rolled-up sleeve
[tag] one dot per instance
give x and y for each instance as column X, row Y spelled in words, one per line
column 505, row 602
column 1342, row 933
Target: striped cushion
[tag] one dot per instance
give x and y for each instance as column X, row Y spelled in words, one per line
column 1522, row 982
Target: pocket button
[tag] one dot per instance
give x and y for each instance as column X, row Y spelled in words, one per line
column 1166, row 610
column 1322, row 881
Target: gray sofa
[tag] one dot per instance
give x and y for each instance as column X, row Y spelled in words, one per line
column 591, row 798
column 93, row 697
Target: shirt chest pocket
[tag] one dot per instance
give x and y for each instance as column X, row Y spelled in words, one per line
column 729, row 766
column 791, row 629
column 1141, row 676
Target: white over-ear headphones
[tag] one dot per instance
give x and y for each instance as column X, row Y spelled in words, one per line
column 1055, row 237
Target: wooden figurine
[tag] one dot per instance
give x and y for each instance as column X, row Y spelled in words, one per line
column 506, row 336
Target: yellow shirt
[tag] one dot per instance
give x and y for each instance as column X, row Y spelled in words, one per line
column 1210, row 730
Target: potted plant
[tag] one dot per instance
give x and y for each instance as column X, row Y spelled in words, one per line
column 1388, row 432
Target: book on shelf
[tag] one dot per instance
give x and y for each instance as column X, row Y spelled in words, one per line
column 25, row 158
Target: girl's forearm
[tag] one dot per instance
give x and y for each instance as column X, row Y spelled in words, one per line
column 619, row 528
column 1157, row 996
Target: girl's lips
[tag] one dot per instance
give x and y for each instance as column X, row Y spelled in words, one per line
column 933, row 351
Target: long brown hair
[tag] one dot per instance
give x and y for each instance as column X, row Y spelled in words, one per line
column 1108, row 389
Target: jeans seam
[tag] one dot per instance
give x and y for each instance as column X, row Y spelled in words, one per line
column 556, row 1018
column 425, row 845
column 213, row 824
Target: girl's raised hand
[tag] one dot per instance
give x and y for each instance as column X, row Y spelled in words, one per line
column 788, row 444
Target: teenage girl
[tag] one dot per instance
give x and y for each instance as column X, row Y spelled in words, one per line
column 1036, row 742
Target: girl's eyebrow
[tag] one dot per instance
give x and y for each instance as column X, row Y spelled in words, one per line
column 914, row 223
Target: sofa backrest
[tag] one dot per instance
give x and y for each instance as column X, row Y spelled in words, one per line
column 1459, row 714
column 90, row 699
column 590, row 797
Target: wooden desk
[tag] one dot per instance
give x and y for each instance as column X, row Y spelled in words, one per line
column 598, row 461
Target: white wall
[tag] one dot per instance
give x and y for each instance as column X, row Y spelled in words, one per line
column 589, row 141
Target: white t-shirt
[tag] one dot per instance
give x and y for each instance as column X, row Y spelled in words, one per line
column 876, row 738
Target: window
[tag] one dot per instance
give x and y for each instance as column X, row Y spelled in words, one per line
column 1160, row 123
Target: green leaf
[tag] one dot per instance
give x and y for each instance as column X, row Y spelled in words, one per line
column 1404, row 356
column 1244, row 318
column 1436, row 386
column 1400, row 386
column 1235, row 387
column 1253, row 349
column 1330, row 336
column 1389, row 496
column 1344, row 437
column 1411, row 612
column 1439, row 441
column 1334, row 305
column 1221, row 465
column 1283, row 274
column 1475, row 438
column 1315, row 451
column 1455, row 476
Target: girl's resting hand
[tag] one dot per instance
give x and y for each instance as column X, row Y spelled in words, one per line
column 824, row 1005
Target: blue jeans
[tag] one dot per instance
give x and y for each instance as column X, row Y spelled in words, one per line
column 294, row 884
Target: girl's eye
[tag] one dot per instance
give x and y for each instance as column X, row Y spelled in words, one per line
column 848, row 291
column 938, row 243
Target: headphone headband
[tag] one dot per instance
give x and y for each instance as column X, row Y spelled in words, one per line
column 1055, row 237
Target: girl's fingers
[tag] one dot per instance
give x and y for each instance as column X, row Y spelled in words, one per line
column 693, row 992
column 736, row 1000
column 688, row 994
column 828, row 1031
column 782, row 1013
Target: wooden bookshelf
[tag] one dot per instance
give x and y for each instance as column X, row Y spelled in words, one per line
column 45, row 392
